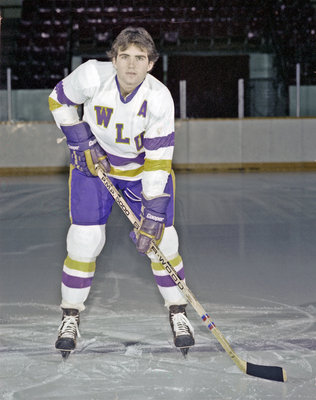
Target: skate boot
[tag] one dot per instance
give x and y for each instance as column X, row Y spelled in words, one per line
column 182, row 329
column 68, row 331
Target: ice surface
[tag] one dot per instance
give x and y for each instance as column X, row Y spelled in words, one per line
column 248, row 243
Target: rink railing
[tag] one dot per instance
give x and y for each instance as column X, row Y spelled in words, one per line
column 201, row 145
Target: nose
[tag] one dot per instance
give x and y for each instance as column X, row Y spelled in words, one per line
column 131, row 62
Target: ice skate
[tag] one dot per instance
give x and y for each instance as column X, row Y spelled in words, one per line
column 182, row 329
column 68, row 332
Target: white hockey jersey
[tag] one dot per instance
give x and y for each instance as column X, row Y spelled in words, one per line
column 137, row 132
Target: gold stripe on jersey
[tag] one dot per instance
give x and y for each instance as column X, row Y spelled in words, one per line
column 155, row 165
column 53, row 104
column 149, row 165
column 128, row 173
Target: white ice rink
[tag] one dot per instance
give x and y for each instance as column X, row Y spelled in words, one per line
column 249, row 246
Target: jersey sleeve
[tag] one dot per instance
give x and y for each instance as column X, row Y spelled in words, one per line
column 159, row 145
column 72, row 91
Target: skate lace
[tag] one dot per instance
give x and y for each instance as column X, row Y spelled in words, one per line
column 69, row 327
column 181, row 324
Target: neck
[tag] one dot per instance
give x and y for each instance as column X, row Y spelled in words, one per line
column 125, row 90
column 126, row 93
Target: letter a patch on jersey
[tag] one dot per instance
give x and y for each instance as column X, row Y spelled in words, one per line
column 143, row 109
column 103, row 115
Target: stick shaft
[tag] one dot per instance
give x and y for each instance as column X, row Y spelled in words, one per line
column 171, row 271
column 256, row 370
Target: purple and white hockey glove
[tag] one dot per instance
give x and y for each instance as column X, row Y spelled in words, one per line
column 153, row 218
column 85, row 151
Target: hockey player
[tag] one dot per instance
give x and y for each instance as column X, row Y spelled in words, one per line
column 128, row 127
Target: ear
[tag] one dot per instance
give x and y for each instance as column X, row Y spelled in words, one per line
column 114, row 62
column 150, row 66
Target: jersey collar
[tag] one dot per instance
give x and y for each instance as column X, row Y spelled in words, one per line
column 130, row 96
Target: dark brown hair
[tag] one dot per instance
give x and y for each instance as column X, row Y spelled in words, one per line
column 136, row 36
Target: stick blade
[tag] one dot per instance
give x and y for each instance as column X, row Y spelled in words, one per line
column 266, row 372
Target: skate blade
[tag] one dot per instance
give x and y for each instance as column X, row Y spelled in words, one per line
column 184, row 351
column 65, row 354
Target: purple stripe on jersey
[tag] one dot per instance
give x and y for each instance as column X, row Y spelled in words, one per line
column 61, row 97
column 157, row 143
column 167, row 281
column 130, row 96
column 76, row 282
column 119, row 161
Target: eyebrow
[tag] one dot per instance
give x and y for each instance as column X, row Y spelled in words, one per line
column 136, row 55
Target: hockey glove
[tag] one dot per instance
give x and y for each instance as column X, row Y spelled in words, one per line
column 152, row 224
column 85, row 151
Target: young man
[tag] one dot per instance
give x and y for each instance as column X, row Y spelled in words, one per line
column 128, row 127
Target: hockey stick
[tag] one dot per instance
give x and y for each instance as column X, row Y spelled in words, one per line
column 261, row 371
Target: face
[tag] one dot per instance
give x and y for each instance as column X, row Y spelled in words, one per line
column 132, row 66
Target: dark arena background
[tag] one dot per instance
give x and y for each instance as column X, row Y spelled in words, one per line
column 243, row 77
